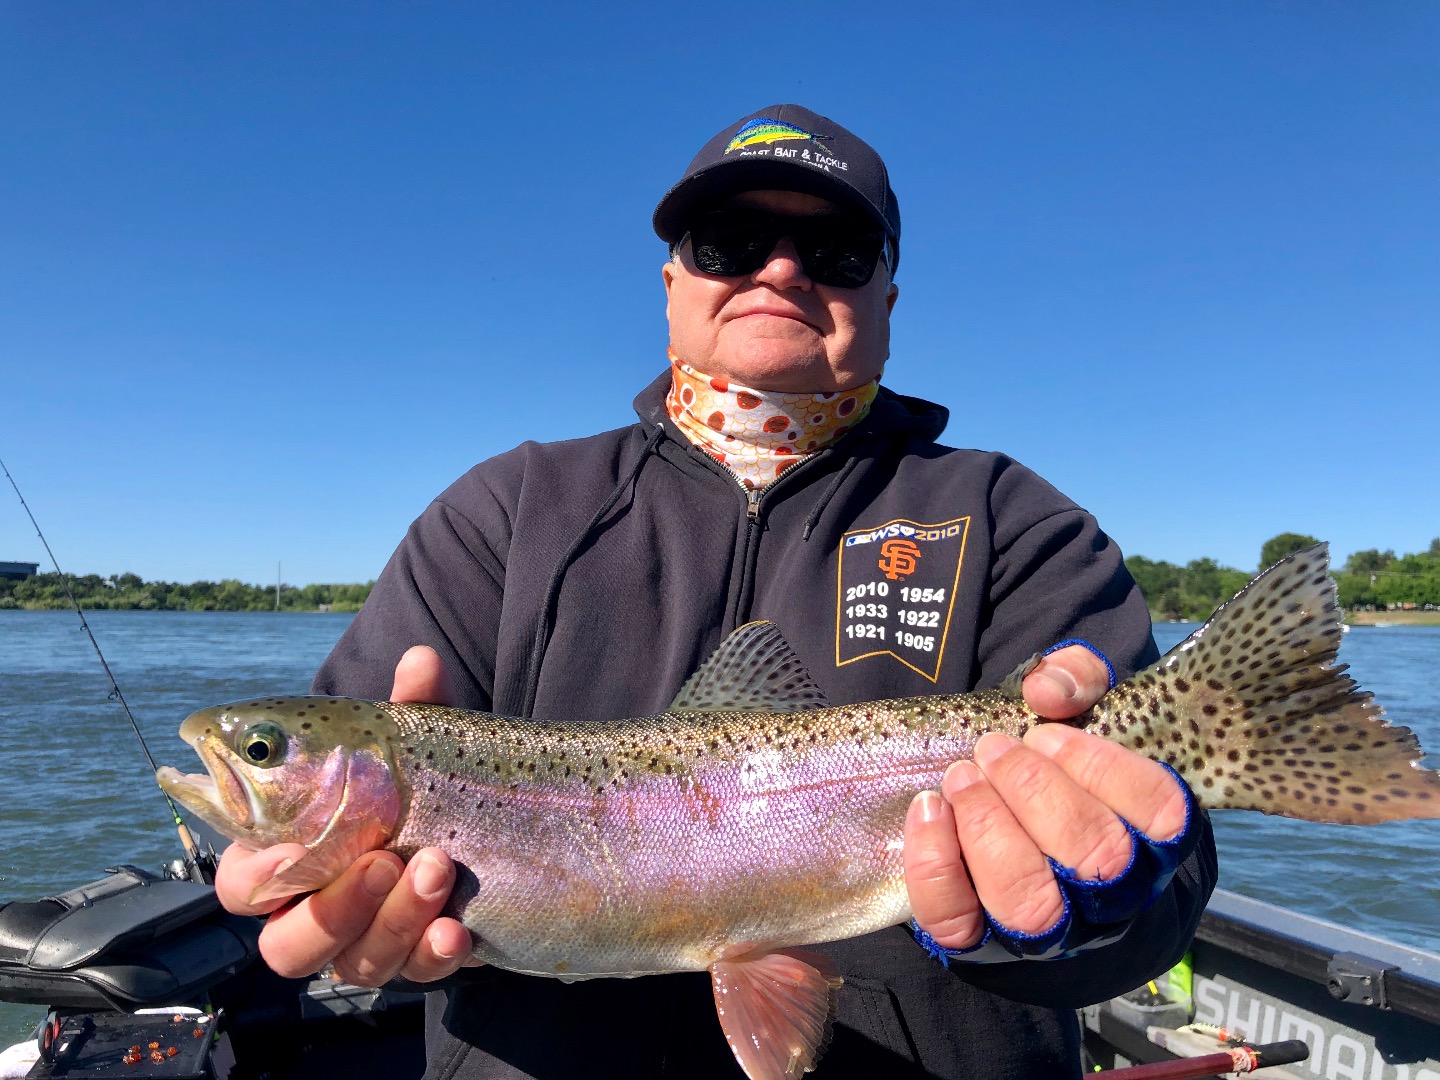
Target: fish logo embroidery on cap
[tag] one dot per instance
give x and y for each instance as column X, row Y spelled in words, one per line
column 898, row 559
column 767, row 131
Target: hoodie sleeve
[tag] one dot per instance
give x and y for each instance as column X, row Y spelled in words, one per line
column 1056, row 575
column 443, row 587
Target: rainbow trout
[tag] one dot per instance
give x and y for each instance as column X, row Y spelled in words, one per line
column 753, row 816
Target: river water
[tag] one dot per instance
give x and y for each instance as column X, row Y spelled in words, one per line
column 76, row 795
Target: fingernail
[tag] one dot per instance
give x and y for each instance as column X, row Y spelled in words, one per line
column 1061, row 680
column 380, row 878
column 929, row 805
column 960, row 776
column 284, row 865
column 442, row 952
column 431, row 878
column 1046, row 739
column 992, row 747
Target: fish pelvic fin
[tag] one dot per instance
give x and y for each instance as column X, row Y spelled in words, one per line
column 752, row 670
column 776, row 1009
column 1254, row 712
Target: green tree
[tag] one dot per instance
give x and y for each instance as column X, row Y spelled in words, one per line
column 1283, row 546
column 1369, row 561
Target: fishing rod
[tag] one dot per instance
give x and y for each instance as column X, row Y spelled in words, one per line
column 198, row 866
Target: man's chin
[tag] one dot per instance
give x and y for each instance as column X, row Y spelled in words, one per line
column 777, row 354
column 782, row 372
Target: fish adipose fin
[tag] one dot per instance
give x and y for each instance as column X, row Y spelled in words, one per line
column 753, row 670
column 1013, row 685
column 1252, row 710
column 322, row 864
column 776, row 1009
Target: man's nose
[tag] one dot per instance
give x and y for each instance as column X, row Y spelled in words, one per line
column 782, row 269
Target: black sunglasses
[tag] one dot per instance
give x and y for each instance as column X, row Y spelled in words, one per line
column 835, row 249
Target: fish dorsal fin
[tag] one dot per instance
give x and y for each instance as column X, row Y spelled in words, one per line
column 776, row 1009
column 753, row 670
column 322, row 864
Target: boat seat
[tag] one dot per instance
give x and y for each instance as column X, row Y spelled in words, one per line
column 130, row 940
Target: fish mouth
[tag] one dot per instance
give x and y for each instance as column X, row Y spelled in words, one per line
column 219, row 796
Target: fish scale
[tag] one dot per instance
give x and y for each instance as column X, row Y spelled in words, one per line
column 700, row 805
column 754, row 817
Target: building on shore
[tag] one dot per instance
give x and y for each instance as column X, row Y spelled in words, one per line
column 18, row 571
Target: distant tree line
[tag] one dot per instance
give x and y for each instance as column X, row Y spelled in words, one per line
column 1368, row 579
column 128, row 592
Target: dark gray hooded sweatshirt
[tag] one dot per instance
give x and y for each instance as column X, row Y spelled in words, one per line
column 587, row 579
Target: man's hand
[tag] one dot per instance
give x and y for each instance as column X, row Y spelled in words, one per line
column 1060, row 792
column 379, row 918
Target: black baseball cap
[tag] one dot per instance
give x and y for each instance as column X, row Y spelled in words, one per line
column 785, row 148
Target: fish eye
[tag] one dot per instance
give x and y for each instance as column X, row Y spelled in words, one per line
column 263, row 744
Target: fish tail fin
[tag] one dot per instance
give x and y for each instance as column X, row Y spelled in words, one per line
column 1254, row 712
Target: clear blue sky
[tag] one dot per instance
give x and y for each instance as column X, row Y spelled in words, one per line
column 272, row 274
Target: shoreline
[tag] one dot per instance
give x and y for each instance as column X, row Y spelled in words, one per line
column 1393, row 618
column 1360, row 618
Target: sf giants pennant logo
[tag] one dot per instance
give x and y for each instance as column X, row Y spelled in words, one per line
column 896, row 592
column 898, row 558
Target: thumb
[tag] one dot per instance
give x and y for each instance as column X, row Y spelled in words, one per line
column 420, row 677
column 1066, row 683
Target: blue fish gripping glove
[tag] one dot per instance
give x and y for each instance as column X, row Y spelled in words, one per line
column 1096, row 912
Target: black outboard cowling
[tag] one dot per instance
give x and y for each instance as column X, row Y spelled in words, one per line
column 129, row 941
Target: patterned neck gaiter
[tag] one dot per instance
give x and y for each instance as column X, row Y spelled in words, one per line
column 758, row 434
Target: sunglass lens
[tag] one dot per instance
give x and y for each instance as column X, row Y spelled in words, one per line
column 729, row 243
column 841, row 256
column 835, row 251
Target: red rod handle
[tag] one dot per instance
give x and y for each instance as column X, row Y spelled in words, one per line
column 1241, row 1059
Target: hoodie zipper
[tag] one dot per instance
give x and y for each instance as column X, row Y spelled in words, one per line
column 754, row 526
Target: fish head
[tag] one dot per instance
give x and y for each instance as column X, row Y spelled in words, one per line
column 291, row 770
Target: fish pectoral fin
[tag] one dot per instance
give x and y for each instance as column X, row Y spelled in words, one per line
column 324, row 862
column 753, row 670
column 776, row 1009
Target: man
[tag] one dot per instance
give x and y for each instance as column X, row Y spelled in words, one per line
column 770, row 476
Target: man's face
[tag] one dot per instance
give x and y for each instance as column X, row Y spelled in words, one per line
column 776, row 329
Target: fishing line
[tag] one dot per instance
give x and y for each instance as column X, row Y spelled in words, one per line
column 192, row 850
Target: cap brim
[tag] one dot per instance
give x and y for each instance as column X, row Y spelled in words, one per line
column 724, row 179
